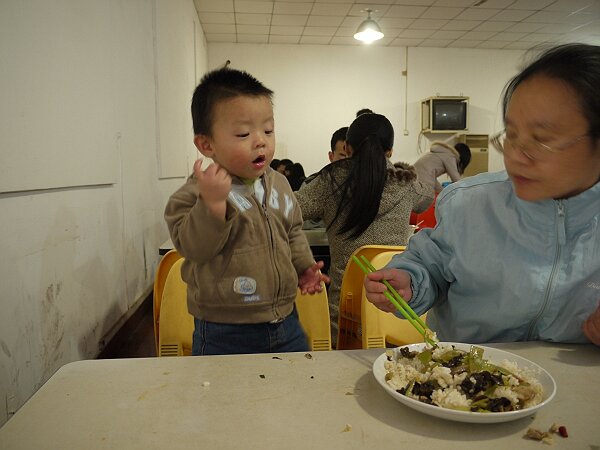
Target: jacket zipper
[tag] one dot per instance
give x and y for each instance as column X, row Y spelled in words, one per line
column 560, row 241
column 272, row 247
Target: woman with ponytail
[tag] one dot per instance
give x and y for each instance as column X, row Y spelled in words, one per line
column 363, row 200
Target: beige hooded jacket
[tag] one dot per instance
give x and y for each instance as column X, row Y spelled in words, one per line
column 441, row 159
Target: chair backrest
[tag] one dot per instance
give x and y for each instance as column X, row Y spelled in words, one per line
column 380, row 327
column 176, row 324
column 313, row 312
column 164, row 266
column 349, row 322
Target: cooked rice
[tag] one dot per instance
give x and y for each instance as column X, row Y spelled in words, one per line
column 521, row 387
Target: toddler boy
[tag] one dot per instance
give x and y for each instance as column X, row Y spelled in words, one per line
column 239, row 227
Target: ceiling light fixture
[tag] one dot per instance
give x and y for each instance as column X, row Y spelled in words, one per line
column 368, row 31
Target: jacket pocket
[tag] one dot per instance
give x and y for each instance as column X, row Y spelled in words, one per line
column 247, row 278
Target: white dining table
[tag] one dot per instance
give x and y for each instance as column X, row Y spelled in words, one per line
column 321, row 400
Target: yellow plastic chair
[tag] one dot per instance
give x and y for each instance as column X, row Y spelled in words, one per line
column 164, row 266
column 176, row 324
column 349, row 322
column 313, row 312
column 379, row 327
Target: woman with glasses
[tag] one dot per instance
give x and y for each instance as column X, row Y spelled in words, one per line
column 516, row 255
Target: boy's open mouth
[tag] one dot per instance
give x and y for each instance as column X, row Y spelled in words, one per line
column 259, row 160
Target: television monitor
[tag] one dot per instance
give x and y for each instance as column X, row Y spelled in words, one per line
column 448, row 115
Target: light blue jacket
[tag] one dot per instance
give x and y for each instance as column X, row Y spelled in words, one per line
column 500, row 269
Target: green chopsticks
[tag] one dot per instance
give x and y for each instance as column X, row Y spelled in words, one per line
column 397, row 300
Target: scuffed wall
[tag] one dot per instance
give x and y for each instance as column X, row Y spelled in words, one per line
column 78, row 259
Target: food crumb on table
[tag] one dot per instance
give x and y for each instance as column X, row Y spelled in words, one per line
column 347, row 428
column 547, row 437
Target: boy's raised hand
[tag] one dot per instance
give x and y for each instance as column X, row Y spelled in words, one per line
column 214, row 184
column 310, row 281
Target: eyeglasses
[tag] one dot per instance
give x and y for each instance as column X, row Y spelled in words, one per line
column 533, row 149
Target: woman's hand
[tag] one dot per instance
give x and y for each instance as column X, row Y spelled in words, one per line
column 591, row 326
column 310, row 281
column 214, row 184
column 374, row 288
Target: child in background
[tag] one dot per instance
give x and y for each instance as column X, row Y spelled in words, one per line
column 238, row 226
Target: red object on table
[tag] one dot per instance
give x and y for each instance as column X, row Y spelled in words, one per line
column 425, row 219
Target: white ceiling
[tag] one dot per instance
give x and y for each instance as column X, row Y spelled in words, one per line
column 509, row 24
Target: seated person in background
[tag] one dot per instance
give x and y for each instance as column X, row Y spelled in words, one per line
column 443, row 158
column 242, row 269
column 296, row 176
column 364, row 111
column 275, row 164
column 516, row 254
column 365, row 199
column 284, row 165
column 338, row 149
column 338, row 145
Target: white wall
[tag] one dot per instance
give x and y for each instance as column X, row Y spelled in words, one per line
column 77, row 260
column 319, row 89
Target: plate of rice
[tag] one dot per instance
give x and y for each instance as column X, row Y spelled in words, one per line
column 464, row 382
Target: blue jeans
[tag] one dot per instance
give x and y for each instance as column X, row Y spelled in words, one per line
column 212, row 338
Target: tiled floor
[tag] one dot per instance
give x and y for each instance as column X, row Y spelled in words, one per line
column 136, row 338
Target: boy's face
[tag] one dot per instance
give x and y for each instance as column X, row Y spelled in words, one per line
column 243, row 136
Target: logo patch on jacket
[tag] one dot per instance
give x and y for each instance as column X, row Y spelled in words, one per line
column 244, row 285
column 239, row 201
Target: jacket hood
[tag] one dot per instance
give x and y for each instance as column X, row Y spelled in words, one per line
column 442, row 147
column 402, row 171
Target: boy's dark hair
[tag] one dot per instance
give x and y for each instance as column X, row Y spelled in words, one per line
column 578, row 66
column 338, row 135
column 363, row 111
column 464, row 153
column 219, row 85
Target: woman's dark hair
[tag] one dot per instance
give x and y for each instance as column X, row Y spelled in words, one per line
column 577, row 65
column 274, row 164
column 371, row 137
column 464, row 159
column 297, row 176
column 286, row 163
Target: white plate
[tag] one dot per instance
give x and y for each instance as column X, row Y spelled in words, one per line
column 491, row 354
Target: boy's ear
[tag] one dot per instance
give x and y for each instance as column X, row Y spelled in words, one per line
column 203, row 145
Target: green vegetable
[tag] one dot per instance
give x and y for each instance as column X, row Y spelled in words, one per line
column 425, row 356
